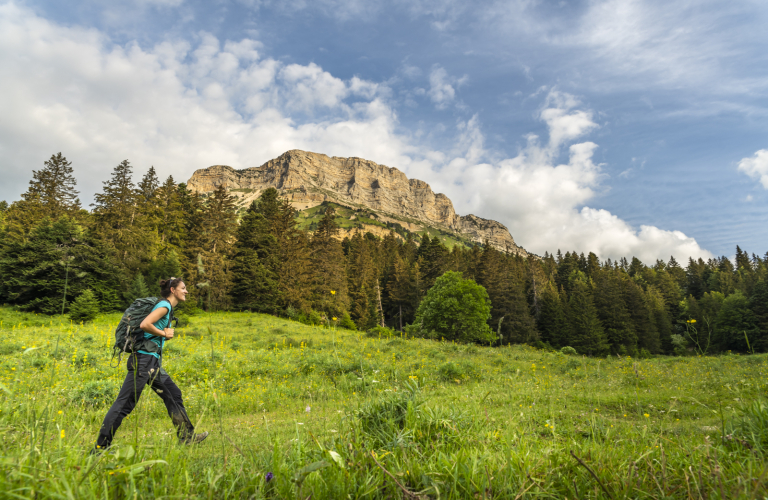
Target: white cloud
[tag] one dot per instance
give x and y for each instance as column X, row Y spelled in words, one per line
column 176, row 106
column 756, row 166
column 441, row 87
column 181, row 106
column 543, row 202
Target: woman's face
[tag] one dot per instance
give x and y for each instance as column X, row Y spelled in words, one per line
column 180, row 291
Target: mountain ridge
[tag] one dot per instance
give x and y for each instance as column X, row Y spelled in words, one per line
column 308, row 179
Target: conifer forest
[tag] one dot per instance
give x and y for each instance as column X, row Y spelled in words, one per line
column 255, row 258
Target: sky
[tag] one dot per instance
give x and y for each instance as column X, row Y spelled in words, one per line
column 622, row 127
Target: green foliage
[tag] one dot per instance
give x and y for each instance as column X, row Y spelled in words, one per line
column 84, row 308
column 95, row 393
column 58, row 256
column 137, row 290
column 348, row 399
column 455, row 309
column 346, row 322
column 568, row 350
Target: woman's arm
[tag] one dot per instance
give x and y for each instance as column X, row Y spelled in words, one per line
column 154, row 317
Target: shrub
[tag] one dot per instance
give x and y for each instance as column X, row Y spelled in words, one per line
column 85, row 307
column 570, row 351
column 346, row 322
column 95, row 392
column 380, row 331
column 455, row 309
column 451, row 371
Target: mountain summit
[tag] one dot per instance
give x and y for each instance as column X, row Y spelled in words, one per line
column 386, row 195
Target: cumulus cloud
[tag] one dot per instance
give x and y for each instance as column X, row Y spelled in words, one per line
column 441, row 87
column 756, row 167
column 178, row 106
column 182, row 105
column 543, row 202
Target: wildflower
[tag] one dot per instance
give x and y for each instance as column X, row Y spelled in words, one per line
column 269, row 476
column 62, row 433
column 60, row 412
column 333, row 292
column 334, row 318
column 308, row 409
column 646, row 415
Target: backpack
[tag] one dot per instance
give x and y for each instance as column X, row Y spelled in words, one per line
column 129, row 337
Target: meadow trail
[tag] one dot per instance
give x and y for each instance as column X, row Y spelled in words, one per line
column 299, row 411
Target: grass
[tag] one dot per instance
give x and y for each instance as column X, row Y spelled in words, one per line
column 347, row 218
column 338, row 414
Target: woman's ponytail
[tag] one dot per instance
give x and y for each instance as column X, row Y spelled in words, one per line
column 166, row 285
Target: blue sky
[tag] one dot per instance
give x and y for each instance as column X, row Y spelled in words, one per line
column 621, row 127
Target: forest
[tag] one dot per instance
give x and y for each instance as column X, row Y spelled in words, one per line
column 56, row 254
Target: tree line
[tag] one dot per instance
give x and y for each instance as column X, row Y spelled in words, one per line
column 255, row 258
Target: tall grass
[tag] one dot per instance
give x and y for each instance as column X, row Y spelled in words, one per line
column 338, row 414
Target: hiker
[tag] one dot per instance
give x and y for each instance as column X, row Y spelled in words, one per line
column 144, row 367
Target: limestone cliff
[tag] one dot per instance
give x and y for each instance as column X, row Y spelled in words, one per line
column 308, row 179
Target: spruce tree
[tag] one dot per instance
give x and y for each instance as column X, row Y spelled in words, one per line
column 553, row 321
column 612, row 310
column 52, row 193
column 137, row 290
column 327, row 264
column 85, row 308
column 588, row 334
column 254, row 278
column 119, row 221
column 58, row 253
column 758, row 304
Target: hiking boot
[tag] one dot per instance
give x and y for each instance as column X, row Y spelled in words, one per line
column 196, row 438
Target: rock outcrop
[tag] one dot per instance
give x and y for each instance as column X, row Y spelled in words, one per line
column 308, row 179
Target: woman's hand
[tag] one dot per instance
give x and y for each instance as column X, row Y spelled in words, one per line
column 168, row 333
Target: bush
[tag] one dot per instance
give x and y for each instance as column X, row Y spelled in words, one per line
column 570, row 351
column 95, row 392
column 346, row 322
column 455, row 309
column 85, row 308
column 380, row 331
column 450, row 372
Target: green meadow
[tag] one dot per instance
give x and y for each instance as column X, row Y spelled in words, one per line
column 332, row 413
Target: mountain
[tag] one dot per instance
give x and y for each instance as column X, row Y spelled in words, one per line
column 377, row 198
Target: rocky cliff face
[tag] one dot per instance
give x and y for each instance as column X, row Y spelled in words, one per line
column 308, row 179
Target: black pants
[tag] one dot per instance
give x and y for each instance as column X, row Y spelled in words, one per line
column 144, row 369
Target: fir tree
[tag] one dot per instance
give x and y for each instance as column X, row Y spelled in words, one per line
column 588, row 334
column 34, row 271
column 137, row 290
column 254, row 279
column 51, row 193
column 328, row 273
column 85, row 308
column 118, row 220
column 553, row 320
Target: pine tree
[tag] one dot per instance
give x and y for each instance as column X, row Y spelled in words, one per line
column 137, row 290
column 612, row 311
column 328, row 273
column 118, row 220
column 171, row 222
column 219, row 223
column 758, row 304
column 85, row 308
column 34, row 271
column 588, row 334
column 553, row 320
column 254, row 279
column 52, row 193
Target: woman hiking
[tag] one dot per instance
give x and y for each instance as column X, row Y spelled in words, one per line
column 144, row 368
